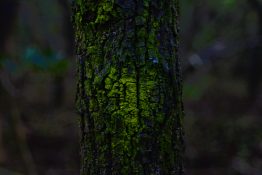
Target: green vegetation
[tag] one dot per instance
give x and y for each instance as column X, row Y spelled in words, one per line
column 129, row 87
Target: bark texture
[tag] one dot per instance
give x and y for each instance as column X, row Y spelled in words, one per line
column 129, row 92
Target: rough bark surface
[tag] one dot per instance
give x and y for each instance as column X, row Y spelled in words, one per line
column 129, row 87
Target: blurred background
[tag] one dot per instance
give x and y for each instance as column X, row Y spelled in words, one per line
column 221, row 52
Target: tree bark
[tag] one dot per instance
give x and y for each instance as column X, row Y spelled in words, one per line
column 129, row 93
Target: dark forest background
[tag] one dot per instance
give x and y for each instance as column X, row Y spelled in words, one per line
column 221, row 53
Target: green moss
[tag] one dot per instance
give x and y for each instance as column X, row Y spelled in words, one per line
column 129, row 98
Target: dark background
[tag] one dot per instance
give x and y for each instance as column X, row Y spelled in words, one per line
column 221, row 54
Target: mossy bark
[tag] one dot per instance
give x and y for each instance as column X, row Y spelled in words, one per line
column 129, row 87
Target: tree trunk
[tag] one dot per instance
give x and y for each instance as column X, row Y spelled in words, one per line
column 129, row 87
column 8, row 12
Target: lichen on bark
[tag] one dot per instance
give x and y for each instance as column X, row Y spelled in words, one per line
column 129, row 92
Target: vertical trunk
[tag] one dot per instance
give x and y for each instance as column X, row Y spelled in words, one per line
column 255, row 54
column 8, row 11
column 129, row 87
